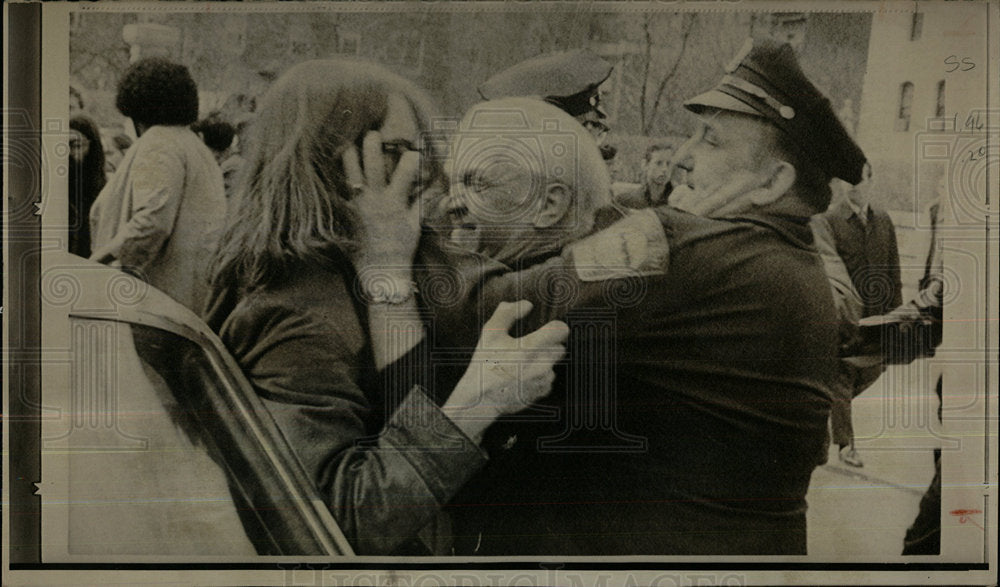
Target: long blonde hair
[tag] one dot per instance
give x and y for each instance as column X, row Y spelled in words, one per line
column 292, row 203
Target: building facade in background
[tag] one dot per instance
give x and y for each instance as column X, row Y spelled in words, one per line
column 922, row 120
column 923, row 85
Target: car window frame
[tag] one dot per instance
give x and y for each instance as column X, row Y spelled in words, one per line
column 313, row 528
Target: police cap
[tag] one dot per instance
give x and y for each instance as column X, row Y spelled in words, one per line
column 764, row 79
column 569, row 80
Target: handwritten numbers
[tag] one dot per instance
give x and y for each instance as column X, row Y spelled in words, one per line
column 973, row 122
column 977, row 154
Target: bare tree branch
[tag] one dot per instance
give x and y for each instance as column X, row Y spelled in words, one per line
column 82, row 67
column 670, row 74
column 645, row 75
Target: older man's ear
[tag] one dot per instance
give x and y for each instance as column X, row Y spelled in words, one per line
column 780, row 179
column 555, row 203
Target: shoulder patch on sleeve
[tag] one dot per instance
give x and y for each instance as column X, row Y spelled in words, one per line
column 635, row 245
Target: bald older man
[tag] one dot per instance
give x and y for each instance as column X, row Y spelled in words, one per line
column 526, row 179
column 526, row 182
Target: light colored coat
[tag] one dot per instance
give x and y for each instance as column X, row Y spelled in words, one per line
column 162, row 213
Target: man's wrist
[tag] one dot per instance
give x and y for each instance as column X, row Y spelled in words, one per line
column 469, row 401
column 471, row 420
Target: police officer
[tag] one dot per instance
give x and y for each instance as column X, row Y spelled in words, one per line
column 717, row 355
column 764, row 93
column 569, row 80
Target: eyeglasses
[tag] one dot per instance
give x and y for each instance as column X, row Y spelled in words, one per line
column 398, row 147
column 596, row 128
column 393, row 151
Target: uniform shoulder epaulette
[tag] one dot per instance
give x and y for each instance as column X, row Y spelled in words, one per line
column 634, row 246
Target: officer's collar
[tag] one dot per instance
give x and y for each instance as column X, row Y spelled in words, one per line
column 794, row 229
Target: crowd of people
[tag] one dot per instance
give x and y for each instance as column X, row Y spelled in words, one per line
column 95, row 158
column 649, row 372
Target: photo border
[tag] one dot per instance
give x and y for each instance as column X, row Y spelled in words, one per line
column 32, row 26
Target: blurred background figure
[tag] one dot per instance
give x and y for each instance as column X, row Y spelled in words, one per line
column 568, row 80
column 161, row 213
column 914, row 331
column 75, row 101
column 925, row 315
column 232, row 167
column 114, row 150
column 657, row 171
column 217, row 136
column 220, row 137
column 865, row 240
column 86, row 179
column 910, row 332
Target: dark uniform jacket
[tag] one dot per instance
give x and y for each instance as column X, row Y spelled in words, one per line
column 692, row 405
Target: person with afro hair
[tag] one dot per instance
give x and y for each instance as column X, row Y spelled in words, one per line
column 161, row 214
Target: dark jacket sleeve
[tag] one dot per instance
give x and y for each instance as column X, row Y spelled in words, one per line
column 845, row 298
column 384, row 468
column 478, row 284
column 592, row 272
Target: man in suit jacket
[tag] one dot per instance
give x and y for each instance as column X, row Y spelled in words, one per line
column 865, row 240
